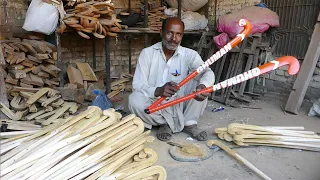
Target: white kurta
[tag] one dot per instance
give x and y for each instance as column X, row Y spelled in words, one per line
column 153, row 71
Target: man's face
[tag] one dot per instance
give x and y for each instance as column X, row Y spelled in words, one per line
column 172, row 35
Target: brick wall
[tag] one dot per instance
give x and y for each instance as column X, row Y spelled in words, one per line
column 77, row 49
column 12, row 15
column 225, row 6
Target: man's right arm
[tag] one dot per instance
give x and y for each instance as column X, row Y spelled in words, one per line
column 140, row 79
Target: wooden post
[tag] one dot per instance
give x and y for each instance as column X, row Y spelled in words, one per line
column 3, row 93
column 309, row 63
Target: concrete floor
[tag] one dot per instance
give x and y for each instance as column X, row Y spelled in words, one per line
column 277, row 163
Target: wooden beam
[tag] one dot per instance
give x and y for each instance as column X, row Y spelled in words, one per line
column 303, row 79
column 3, row 94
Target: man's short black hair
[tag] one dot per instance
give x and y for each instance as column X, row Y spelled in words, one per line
column 164, row 22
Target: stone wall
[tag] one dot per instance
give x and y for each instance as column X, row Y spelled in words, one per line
column 12, row 15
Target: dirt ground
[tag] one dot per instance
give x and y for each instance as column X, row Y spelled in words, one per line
column 277, row 163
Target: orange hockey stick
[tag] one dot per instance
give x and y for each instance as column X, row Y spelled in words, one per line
column 294, row 67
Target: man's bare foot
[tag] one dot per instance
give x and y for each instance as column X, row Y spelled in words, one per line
column 164, row 133
column 195, row 132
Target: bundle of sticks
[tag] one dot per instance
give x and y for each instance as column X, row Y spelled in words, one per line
column 155, row 17
column 38, row 106
column 92, row 17
column 29, row 63
column 95, row 144
column 276, row 136
column 123, row 84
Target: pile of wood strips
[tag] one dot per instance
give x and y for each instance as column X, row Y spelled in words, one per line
column 123, row 84
column 275, row 136
column 91, row 145
column 38, row 106
column 155, row 17
column 29, row 63
column 92, row 17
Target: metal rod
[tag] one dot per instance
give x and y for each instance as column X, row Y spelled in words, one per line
column 130, row 63
column 107, row 50
column 60, row 63
column 179, row 9
column 94, row 59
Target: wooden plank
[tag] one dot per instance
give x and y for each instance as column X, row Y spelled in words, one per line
column 38, row 45
column 2, row 61
column 3, row 93
column 86, row 72
column 43, row 74
column 52, row 67
column 55, row 56
column 42, row 56
column 21, row 89
column 21, row 47
column 52, row 73
column 25, row 85
column 29, row 47
column 17, row 74
column 74, row 76
column 50, row 61
column 36, row 80
column 32, row 58
column 27, row 79
column 12, row 81
column 303, row 79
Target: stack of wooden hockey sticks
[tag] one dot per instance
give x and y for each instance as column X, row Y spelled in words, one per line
column 276, row 136
column 91, row 145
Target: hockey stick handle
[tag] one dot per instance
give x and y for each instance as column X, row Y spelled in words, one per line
column 293, row 69
column 233, row 43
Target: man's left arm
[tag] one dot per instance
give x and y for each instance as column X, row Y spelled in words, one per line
column 206, row 77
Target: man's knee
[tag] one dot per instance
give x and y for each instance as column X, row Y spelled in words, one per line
column 137, row 101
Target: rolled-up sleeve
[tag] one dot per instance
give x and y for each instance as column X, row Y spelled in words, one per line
column 206, row 77
column 140, row 81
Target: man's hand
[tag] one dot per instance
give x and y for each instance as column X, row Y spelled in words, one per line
column 167, row 90
column 202, row 96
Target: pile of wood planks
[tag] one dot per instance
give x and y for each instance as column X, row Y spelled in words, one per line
column 37, row 106
column 92, row 17
column 122, row 84
column 155, row 17
column 29, row 63
column 274, row 136
column 94, row 144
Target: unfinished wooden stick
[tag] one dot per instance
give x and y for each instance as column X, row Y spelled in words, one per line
column 238, row 157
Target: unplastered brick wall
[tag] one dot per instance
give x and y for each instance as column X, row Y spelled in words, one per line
column 226, row 6
column 76, row 49
column 279, row 80
column 12, row 15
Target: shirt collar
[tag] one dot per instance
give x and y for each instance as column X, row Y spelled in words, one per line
column 159, row 47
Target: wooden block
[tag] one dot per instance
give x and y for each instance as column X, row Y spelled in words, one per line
column 74, row 76
column 52, row 67
column 51, row 46
column 32, row 58
column 50, row 61
column 36, row 70
column 86, row 72
column 2, row 61
column 29, row 47
column 55, row 56
column 21, row 47
column 19, row 57
column 38, row 45
column 25, row 85
column 75, row 95
column 21, row 89
column 28, row 64
column 43, row 74
column 13, row 46
column 17, row 74
column 42, row 56
column 36, row 80
column 16, row 67
column 71, row 86
column 55, row 79
column 31, row 62
column 12, row 81
column 27, row 79
column 52, row 73
column 26, row 70
column 9, row 48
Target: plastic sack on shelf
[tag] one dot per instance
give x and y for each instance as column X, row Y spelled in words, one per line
column 194, row 21
column 41, row 17
column 102, row 101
